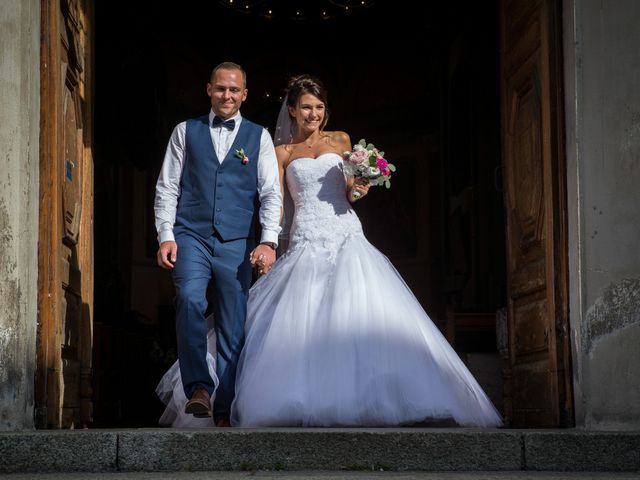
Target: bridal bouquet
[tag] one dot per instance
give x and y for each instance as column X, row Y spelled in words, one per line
column 366, row 161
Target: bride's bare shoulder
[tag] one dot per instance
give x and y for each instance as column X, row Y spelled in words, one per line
column 340, row 139
column 283, row 150
column 283, row 153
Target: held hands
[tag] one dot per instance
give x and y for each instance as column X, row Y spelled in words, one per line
column 167, row 254
column 359, row 189
column 262, row 257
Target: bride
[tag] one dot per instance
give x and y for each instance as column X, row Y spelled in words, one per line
column 334, row 337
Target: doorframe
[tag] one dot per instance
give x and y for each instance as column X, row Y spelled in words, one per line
column 562, row 212
column 571, row 49
column 49, row 230
column 49, row 374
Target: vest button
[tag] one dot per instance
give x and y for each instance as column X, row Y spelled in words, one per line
column 217, row 222
column 218, row 210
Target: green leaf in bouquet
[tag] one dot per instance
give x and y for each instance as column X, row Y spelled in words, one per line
column 387, row 184
column 381, row 154
column 391, row 167
column 370, row 146
column 362, row 142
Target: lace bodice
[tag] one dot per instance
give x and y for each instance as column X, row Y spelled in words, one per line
column 323, row 215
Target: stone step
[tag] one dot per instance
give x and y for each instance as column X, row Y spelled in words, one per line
column 415, row 449
column 323, row 475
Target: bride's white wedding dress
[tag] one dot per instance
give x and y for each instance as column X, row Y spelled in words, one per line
column 334, row 335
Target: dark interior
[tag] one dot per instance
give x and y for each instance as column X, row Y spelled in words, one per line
column 419, row 79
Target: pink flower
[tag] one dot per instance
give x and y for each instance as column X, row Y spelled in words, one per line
column 359, row 157
column 381, row 163
column 242, row 156
column 367, row 162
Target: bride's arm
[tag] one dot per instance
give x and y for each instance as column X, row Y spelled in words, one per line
column 359, row 185
column 283, row 155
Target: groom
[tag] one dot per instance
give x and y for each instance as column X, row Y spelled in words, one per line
column 214, row 170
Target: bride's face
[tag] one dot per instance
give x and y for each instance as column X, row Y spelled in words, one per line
column 308, row 113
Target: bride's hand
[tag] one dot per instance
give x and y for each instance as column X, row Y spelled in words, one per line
column 359, row 189
column 262, row 257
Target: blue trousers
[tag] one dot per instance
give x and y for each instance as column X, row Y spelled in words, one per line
column 200, row 261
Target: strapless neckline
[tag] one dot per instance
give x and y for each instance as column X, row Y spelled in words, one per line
column 314, row 158
column 322, row 214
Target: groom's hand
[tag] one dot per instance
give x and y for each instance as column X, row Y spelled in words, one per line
column 263, row 257
column 167, row 254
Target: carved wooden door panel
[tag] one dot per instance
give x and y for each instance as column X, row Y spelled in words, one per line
column 539, row 373
column 65, row 258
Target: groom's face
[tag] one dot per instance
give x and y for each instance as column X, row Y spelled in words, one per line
column 227, row 92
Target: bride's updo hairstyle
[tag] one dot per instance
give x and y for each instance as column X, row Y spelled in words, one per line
column 303, row 84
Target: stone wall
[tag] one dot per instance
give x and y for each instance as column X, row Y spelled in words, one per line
column 602, row 68
column 19, row 167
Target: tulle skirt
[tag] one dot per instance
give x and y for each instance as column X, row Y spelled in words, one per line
column 171, row 392
column 338, row 339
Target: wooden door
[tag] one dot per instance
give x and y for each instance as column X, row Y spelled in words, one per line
column 65, row 257
column 539, row 373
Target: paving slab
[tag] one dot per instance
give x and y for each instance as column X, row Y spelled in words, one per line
column 581, row 450
column 67, row 451
column 321, row 449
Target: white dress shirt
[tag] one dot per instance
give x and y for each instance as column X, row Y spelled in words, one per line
column 168, row 186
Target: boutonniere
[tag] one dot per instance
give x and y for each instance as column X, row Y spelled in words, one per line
column 242, row 156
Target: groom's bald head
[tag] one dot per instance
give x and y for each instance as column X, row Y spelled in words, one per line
column 230, row 66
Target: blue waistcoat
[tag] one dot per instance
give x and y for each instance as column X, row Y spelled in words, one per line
column 216, row 196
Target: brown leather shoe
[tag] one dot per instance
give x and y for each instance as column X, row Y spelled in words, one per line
column 223, row 422
column 200, row 404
